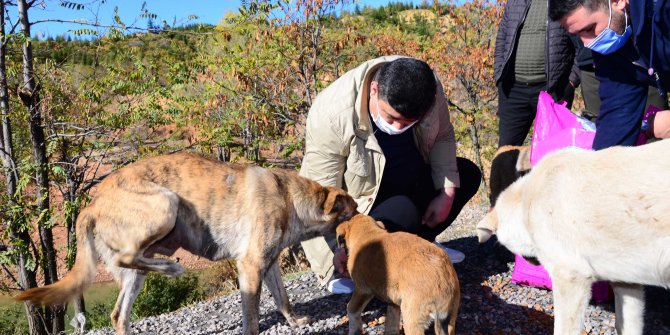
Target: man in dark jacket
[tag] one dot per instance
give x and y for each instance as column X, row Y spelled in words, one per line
column 631, row 51
column 531, row 54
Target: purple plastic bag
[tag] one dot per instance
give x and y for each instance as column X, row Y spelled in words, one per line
column 556, row 127
column 642, row 138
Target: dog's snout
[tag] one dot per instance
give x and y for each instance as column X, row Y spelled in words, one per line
column 483, row 234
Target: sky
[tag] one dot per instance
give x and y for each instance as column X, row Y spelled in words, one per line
column 207, row 11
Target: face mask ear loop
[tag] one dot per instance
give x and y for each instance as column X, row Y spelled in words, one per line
column 625, row 14
column 609, row 22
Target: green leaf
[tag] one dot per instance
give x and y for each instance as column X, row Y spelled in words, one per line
column 72, row 5
column 83, row 31
column 58, row 170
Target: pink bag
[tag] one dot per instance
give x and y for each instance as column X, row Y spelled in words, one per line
column 556, row 127
column 527, row 274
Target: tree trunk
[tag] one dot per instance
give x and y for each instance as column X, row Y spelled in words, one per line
column 26, row 277
column 29, row 94
column 73, row 183
column 223, row 154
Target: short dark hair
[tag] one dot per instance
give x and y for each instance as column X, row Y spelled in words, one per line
column 560, row 8
column 408, row 85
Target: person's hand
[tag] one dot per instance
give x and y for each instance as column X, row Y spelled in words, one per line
column 439, row 208
column 659, row 125
column 569, row 93
column 340, row 262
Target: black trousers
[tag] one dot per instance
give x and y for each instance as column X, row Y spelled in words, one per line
column 517, row 106
column 404, row 212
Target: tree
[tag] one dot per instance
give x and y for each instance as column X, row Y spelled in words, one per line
column 275, row 59
column 30, row 96
column 464, row 54
column 16, row 223
column 69, row 131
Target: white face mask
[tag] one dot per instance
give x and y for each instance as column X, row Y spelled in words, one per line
column 385, row 126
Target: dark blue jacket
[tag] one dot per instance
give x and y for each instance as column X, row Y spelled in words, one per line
column 624, row 77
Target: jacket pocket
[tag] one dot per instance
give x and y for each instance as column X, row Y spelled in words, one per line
column 357, row 174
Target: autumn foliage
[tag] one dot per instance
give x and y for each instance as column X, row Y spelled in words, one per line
column 238, row 91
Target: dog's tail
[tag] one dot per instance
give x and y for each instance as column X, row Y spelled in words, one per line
column 445, row 323
column 81, row 275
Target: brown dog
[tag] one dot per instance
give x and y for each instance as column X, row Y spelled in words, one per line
column 409, row 273
column 212, row 209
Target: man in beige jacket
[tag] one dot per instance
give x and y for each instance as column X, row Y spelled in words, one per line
column 382, row 132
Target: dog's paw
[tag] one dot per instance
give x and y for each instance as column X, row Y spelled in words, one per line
column 299, row 320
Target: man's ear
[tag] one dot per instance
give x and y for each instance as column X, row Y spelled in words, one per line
column 488, row 226
column 621, row 5
column 374, row 88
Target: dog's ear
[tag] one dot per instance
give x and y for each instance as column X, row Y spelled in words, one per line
column 523, row 165
column 341, row 233
column 380, row 224
column 339, row 202
column 333, row 203
column 488, row 226
column 532, row 260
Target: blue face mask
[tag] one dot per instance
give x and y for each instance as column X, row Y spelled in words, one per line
column 608, row 41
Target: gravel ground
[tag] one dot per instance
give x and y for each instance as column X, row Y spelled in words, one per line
column 490, row 303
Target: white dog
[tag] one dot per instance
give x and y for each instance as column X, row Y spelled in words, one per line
column 589, row 216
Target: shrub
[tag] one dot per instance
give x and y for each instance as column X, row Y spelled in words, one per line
column 98, row 316
column 162, row 294
column 13, row 320
column 221, row 278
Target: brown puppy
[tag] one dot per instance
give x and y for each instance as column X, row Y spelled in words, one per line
column 409, row 273
column 212, row 209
